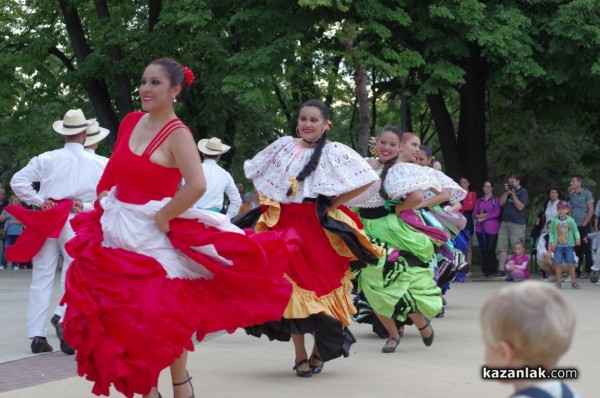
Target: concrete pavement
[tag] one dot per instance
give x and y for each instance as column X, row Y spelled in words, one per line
column 237, row 365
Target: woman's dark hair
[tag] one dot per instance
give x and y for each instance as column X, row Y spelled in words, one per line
column 490, row 182
column 176, row 75
column 428, row 151
column 313, row 162
column 387, row 165
column 553, row 188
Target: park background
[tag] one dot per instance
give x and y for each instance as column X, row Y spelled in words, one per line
column 494, row 87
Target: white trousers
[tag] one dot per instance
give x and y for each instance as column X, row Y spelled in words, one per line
column 42, row 280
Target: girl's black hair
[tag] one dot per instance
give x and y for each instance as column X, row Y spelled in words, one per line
column 387, row 165
column 176, row 75
column 313, row 162
column 428, row 151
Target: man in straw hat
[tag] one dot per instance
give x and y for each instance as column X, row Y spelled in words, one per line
column 68, row 179
column 95, row 134
column 218, row 180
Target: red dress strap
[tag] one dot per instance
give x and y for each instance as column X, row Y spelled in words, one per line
column 162, row 135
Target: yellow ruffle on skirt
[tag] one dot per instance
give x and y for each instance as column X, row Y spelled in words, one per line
column 337, row 303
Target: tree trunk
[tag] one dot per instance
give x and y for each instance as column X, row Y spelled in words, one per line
column 96, row 89
column 471, row 125
column 121, row 80
column 154, row 9
column 446, row 134
column 362, row 96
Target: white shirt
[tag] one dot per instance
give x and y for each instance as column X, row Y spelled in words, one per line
column 219, row 182
column 99, row 158
column 550, row 212
column 66, row 173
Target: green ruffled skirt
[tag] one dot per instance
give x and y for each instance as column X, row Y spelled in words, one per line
column 394, row 288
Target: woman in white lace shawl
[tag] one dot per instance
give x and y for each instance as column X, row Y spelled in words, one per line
column 303, row 183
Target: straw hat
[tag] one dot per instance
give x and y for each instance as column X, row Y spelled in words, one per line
column 212, row 146
column 73, row 123
column 95, row 134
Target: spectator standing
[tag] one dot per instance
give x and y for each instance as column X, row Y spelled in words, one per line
column 487, row 214
column 3, row 204
column 581, row 204
column 467, row 206
column 564, row 236
column 549, row 211
column 514, row 203
column 596, row 215
column 218, row 180
column 14, row 228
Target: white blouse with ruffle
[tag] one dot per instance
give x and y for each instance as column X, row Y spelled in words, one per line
column 340, row 170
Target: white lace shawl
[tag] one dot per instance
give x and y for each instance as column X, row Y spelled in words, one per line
column 456, row 192
column 340, row 170
column 404, row 178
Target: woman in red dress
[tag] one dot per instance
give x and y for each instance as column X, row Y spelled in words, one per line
column 149, row 271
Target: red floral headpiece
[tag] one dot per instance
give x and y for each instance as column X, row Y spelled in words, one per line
column 189, row 75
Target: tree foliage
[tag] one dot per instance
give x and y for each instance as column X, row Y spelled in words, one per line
column 493, row 86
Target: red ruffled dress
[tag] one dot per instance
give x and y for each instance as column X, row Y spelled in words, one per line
column 136, row 296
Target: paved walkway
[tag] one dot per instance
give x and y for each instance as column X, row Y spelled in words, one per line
column 237, row 365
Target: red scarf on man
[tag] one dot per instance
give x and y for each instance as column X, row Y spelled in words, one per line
column 39, row 226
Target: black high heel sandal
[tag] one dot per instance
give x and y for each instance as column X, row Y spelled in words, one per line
column 315, row 369
column 189, row 380
column 386, row 349
column 302, row 373
column 427, row 340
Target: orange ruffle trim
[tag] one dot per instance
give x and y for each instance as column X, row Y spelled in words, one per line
column 337, row 303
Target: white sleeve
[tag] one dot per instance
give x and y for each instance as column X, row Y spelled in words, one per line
column 235, row 199
column 22, row 182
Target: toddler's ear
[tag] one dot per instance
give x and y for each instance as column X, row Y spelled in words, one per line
column 507, row 354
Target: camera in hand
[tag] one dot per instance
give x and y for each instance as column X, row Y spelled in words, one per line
column 509, row 187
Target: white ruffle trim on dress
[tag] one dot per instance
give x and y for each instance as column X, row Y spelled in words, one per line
column 340, row 170
column 133, row 227
column 404, row 178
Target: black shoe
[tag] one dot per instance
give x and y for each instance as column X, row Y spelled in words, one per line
column 386, row 349
column 40, row 344
column 302, row 373
column 427, row 340
column 500, row 274
column 316, row 369
column 64, row 347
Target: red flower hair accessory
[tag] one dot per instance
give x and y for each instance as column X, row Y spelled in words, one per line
column 189, row 75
